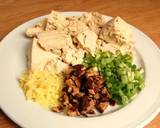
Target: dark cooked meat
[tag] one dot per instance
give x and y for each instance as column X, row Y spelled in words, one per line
column 101, row 106
column 72, row 87
column 77, row 70
column 64, row 98
column 91, row 112
column 112, row 102
column 86, row 104
column 91, row 72
column 57, row 109
column 72, row 111
column 84, row 91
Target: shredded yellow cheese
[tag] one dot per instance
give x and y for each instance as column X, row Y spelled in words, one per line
column 42, row 87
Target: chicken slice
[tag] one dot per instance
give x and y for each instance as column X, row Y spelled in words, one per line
column 117, row 33
column 39, row 57
column 103, row 46
column 57, row 66
column 93, row 20
column 56, row 21
column 75, row 26
column 73, row 56
column 39, row 27
column 87, row 40
column 54, row 40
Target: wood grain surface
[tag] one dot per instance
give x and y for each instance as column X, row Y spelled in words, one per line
column 143, row 14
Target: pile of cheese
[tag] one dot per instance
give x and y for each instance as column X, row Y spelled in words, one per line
column 42, row 87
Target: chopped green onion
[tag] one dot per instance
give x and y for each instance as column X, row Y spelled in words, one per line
column 123, row 79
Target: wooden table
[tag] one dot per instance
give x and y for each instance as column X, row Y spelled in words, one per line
column 144, row 14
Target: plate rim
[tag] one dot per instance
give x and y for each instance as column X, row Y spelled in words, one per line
column 141, row 124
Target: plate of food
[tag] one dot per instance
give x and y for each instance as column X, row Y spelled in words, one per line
column 79, row 69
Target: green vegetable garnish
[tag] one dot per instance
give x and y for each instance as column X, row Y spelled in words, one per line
column 123, row 79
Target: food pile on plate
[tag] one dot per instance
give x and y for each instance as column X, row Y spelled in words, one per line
column 81, row 64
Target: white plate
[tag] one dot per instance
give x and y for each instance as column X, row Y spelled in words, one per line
column 29, row 115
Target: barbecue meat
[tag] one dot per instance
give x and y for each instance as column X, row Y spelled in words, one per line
column 84, row 92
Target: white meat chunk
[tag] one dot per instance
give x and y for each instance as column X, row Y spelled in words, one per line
column 54, row 41
column 117, row 34
column 56, row 21
column 87, row 40
column 93, row 20
column 39, row 27
column 103, row 46
column 116, row 31
column 75, row 26
column 39, row 57
column 73, row 56
column 57, row 66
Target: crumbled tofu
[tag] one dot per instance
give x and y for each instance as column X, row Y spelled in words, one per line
column 31, row 32
column 74, row 56
column 93, row 20
column 56, row 21
column 54, row 40
column 116, row 31
column 39, row 27
column 103, row 46
column 87, row 40
column 75, row 26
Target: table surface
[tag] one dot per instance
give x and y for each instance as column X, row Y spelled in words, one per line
column 143, row 14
